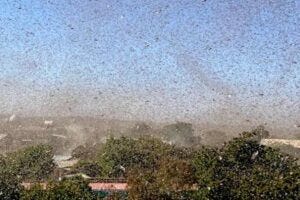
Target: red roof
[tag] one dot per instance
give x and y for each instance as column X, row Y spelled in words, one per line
column 97, row 186
column 108, row 186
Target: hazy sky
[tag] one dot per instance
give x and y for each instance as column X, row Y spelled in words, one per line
column 213, row 61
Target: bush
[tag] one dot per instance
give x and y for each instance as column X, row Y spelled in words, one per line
column 32, row 163
column 36, row 192
column 180, row 133
column 88, row 167
column 67, row 189
column 244, row 169
column 71, row 189
column 119, row 155
column 173, row 179
column 9, row 183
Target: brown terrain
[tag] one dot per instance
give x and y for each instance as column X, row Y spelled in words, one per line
column 66, row 133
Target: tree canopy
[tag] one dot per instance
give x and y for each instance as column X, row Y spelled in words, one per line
column 9, row 183
column 241, row 169
column 67, row 189
column 244, row 169
column 32, row 163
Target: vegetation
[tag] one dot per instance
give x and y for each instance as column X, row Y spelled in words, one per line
column 181, row 134
column 173, row 179
column 240, row 169
column 67, row 189
column 86, row 151
column 125, row 153
column 9, row 185
column 33, row 163
column 88, row 167
column 36, row 192
column 243, row 169
column 118, row 155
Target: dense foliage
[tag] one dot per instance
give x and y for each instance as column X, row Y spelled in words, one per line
column 32, row 163
column 118, row 155
column 173, row 179
column 243, row 169
column 180, row 133
column 67, row 189
column 9, row 184
column 240, row 169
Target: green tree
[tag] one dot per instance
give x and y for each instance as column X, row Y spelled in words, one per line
column 86, row 152
column 70, row 189
column 180, row 133
column 67, row 189
column 142, row 185
column 244, row 169
column 88, row 167
column 9, row 183
column 173, row 179
column 118, row 155
column 32, row 163
column 205, row 162
column 36, row 192
column 124, row 153
column 258, row 133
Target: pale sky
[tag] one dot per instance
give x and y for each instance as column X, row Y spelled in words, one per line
column 223, row 62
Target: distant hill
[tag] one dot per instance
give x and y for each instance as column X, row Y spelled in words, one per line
column 63, row 133
column 66, row 133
